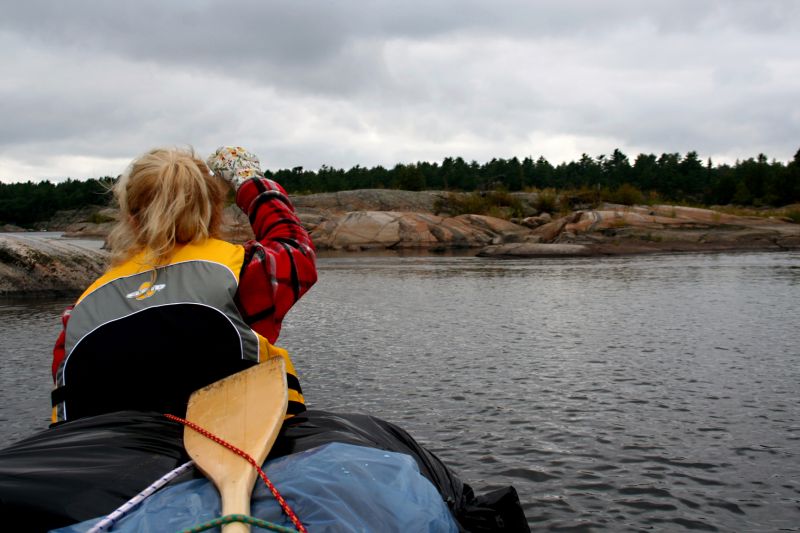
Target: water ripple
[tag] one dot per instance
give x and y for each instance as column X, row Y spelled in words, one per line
column 622, row 394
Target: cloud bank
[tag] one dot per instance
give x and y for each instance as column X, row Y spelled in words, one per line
column 88, row 85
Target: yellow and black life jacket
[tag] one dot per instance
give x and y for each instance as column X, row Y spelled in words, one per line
column 145, row 339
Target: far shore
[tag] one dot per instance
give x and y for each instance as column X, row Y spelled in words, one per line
column 403, row 223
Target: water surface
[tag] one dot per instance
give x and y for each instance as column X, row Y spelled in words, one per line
column 626, row 394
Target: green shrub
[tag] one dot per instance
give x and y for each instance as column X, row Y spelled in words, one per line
column 626, row 194
column 546, row 201
column 584, row 198
column 499, row 204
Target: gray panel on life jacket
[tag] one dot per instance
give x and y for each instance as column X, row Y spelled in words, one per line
column 198, row 281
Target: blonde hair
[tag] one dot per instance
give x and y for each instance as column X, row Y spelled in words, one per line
column 167, row 197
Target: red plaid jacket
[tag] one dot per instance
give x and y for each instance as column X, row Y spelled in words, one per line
column 279, row 265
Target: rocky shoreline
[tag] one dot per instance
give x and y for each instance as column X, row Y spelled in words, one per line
column 617, row 230
column 34, row 266
column 372, row 220
column 387, row 220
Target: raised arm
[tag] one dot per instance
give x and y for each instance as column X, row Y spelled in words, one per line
column 280, row 264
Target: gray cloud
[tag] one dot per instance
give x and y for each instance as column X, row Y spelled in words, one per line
column 348, row 82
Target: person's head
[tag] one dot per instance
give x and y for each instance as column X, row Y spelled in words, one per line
column 167, row 197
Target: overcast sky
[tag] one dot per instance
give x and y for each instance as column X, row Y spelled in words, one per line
column 88, row 85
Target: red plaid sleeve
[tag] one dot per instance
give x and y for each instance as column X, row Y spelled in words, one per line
column 280, row 265
column 58, row 350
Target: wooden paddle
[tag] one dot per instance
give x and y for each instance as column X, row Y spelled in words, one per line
column 246, row 410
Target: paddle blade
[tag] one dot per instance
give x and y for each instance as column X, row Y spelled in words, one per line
column 246, row 410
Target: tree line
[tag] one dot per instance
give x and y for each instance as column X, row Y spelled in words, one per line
column 26, row 203
column 669, row 177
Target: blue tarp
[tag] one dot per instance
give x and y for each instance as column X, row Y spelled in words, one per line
column 334, row 487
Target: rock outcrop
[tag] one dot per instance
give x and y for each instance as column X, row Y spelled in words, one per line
column 384, row 219
column 8, row 228
column 31, row 265
column 363, row 230
column 370, row 200
column 373, row 219
column 98, row 224
column 616, row 229
column 530, row 249
column 404, row 220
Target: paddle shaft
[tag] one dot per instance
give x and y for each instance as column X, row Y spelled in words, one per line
column 236, row 495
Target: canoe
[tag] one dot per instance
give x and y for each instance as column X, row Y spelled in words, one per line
column 75, row 473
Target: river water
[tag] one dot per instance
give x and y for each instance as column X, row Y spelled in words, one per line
column 651, row 393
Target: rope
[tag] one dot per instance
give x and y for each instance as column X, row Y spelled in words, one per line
column 244, row 455
column 227, row 519
column 106, row 523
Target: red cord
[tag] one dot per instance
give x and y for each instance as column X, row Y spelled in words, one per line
column 241, row 453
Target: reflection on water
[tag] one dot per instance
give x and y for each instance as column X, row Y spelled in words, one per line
column 641, row 393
